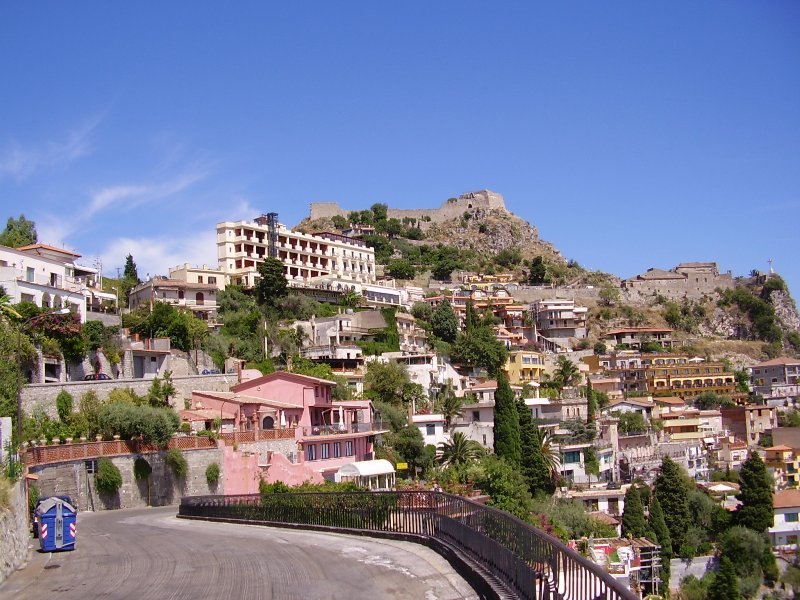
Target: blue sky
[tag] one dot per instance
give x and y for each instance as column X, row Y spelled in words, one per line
column 632, row 134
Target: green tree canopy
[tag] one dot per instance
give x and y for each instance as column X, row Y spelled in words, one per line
column 444, row 322
column 725, row 585
column 130, row 271
column 658, row 528
column 460, row 450
column 18, row 232
column 633, row 521
column 538, row 465
column 386, row 381
column 478, row 347
column 755, row 494
column 506, row 422
column 271, row 284
column 672, row 493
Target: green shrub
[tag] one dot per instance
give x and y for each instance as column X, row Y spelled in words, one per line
column 108, row 479
column 141, row 468
column 212, row 474
column 64, row 405
column 177, row 462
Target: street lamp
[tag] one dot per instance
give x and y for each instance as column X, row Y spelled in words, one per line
column 28, row 321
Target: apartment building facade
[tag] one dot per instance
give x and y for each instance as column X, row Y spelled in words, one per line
column 49, row 278
column 242, row 246
column 560, row 318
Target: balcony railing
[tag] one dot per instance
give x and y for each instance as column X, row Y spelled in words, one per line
column 343, row 429
column 502, row 555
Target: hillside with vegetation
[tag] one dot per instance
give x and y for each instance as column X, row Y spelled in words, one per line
column 479, row 241
column 757, row 319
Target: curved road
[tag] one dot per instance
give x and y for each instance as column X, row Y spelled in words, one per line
column 150, row 554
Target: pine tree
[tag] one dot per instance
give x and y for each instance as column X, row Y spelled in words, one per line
column 633, row 521
column 658, row 527
column 673, row 496
column 506, row 422
column 726, row 584
column 755, row 494
column 591, row 403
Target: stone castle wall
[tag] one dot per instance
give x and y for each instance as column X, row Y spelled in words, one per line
column 640, row 290
column 450, row 209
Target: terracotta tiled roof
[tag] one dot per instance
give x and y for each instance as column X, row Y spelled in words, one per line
column 47, row 247
column 786, row 499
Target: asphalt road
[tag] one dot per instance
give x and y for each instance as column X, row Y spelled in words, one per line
column 149, row 553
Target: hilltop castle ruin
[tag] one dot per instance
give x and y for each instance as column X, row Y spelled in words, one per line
column 450, row 209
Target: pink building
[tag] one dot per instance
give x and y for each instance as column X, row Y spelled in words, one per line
column 328, row 434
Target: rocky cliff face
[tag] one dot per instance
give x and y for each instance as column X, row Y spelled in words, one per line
column 785, row 310
column 491, row 231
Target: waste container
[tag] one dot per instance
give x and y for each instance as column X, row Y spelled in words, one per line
column 57, row 522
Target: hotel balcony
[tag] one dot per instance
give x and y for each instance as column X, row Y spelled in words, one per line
column 344, row 429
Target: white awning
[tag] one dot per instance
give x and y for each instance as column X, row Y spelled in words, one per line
column 103, row 295
column 365, row 468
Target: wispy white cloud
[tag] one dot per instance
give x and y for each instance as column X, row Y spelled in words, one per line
column 55, row 230
column 156, row 255
column 20, row 161
column 134, row 195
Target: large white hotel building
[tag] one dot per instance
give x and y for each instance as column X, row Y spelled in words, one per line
column 243, row 245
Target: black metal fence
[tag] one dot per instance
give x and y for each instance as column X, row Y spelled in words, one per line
column 527, row 562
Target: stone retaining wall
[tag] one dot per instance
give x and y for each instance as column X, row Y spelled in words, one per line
column 44, row 394
column 164, row 488
column 14, row 532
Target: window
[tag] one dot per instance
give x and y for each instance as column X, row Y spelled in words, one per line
column 29, row 272
column 311, row 452
column 476, row 415
column 337, row 449
column 324, row 451
column 572, row 457
column 348, row 448
column 199, row 279
column 791, row 517
column 430, row 429
column 212, row 280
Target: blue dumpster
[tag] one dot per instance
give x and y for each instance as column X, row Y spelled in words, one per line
column 57, row 521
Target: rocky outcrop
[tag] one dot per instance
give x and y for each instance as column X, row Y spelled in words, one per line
column 785, row 310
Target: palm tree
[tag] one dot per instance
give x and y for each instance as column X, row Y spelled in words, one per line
column 6, row 310
column 460, row 450
column 448, row 405
column 566, row 373
column 549, row 453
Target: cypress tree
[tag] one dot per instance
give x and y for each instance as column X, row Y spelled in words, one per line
column 726, row 584
column 534, row 466
column 756, row 511
column 658, row 527
column 673, row 496
column 633, row 521
column 506, row 422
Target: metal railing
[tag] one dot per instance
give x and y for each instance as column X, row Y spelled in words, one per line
column 343, row 429
column 516, row 558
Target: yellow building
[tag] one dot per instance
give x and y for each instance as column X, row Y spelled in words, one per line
column 784, row 464
column 524, row 366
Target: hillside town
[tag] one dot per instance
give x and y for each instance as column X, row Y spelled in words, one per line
column 597, row 408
